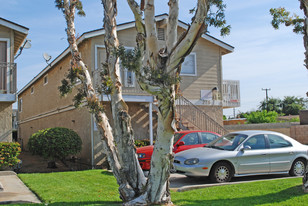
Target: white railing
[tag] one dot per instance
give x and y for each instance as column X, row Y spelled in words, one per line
column 231, row 93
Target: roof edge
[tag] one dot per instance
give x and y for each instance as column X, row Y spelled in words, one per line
column 14, row 26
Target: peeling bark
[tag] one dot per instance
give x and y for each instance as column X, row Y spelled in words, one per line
column 169, row 60
column 122, row 160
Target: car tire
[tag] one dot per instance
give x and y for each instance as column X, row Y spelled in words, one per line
column 298, row 167
column 221, row 172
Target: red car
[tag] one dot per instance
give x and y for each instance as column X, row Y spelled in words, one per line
column 184, row 140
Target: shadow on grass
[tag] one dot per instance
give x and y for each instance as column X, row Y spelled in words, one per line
column 271, row 198
column 104, row 172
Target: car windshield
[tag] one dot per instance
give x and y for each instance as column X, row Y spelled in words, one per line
column 177, row 136
column 228, row 142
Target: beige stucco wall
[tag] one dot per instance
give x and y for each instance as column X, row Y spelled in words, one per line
column 45, row 108
column 5, row 122
column 78, row 120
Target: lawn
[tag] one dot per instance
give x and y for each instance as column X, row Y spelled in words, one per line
column 98, row 187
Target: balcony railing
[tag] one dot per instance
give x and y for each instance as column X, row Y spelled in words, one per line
column 231, row 93
column 8, row 78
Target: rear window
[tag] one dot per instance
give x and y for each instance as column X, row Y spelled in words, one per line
column 276, row 141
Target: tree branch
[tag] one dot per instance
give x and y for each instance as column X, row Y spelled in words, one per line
column 187, row 42
column 150, row 26
column 172, row 24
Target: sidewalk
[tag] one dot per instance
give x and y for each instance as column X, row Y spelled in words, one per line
column 14, row 190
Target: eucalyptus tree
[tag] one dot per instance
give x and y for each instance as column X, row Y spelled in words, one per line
column 157, row 71
column 118, row 144
column 300, row 24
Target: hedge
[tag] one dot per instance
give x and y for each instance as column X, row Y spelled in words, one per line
column 9, row 152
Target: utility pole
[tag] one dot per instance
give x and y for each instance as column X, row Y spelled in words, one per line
column 266, row 91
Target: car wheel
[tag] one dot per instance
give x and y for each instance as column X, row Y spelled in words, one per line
column 298, row 168
column 221, row 172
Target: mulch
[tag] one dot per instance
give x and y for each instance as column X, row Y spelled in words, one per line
column 36, row 164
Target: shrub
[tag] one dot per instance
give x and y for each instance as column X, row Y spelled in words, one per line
column 142, row 143
column 55, row 143
column 261, row 117
column 9, row 152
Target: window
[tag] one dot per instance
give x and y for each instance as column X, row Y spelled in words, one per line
column 191, row 139
column 32, row 90
column 20, row 105
column 129, row 78
column 276, row 141
column 189, row 65
column 256, row 142
column 45, row 80
column 207, row 137
column 160, row 33
column 3, row 69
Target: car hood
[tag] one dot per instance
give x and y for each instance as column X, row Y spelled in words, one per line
column 202, row 152
column 146, row 149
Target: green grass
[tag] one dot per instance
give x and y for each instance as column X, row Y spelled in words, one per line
column 97, row 187
column 91, row 187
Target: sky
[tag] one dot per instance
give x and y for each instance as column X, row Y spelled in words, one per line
column 262, row 57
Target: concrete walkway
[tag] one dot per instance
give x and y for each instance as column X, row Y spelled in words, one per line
column 14, row 190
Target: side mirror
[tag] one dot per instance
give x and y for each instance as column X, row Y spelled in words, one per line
column 181, row 143
column 247, row 147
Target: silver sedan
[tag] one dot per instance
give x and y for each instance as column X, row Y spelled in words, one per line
column 244, row 153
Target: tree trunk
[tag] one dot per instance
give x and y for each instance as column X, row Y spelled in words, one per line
column 123, row 162
column 123, row 131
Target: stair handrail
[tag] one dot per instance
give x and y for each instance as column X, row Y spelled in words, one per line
column 202, row 121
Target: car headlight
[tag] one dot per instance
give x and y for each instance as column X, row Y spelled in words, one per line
column 192, row 161
column 141, row 155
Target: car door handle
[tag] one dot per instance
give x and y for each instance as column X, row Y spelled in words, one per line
column 291, row 152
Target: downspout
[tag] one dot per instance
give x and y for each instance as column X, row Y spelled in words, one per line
column 151, row 122
column 92, row 142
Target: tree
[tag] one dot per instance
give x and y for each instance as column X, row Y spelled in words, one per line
column 273, row 104
column 159, row 76
column 118, row 145
column 157, row 71
column 282, row 16
column 291, row 105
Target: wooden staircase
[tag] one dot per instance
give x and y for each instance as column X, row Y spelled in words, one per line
column 190, row 117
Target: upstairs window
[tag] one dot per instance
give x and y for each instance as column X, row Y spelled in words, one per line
column 129, row 78
column 161, row 34
column 189, row 67
column 32, row 90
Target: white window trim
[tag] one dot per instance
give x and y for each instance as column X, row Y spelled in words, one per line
column 124, row 70
column 44, row 83
column 8, row 59
column 32, row 90
column 195, row 69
